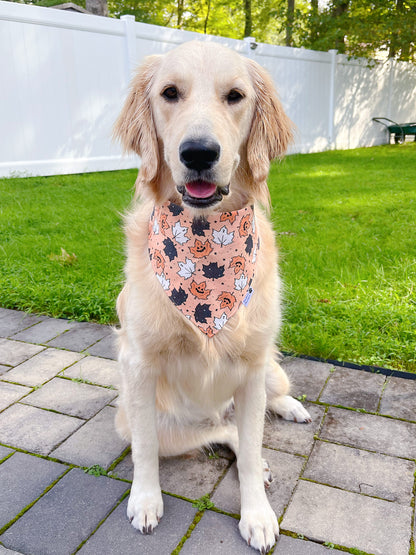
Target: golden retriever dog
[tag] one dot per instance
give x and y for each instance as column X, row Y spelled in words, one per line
column 199, row 312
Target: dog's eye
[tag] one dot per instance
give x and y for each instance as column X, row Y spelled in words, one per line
column 234, row 96
column 170, row 93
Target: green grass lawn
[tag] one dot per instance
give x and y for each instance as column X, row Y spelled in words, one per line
column 346, row 225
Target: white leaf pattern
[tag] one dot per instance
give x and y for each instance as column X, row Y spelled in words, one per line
column 222, row 237
column 240, row 283
column 179, row 233
column 219, row 323
column 165, row 283
column 187, row 268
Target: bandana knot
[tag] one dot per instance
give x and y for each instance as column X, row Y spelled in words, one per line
column 205, row 265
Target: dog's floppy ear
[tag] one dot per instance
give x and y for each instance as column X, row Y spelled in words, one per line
column 271, row 129
column 135, row 128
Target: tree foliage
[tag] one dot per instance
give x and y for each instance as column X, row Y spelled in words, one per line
column 364, row 28
column 367, row 28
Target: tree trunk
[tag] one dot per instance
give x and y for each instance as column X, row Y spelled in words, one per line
column 248, row 20
column 340, row 9
column 289, row 22
column 207, row 16
column 313, row 27
column 180, row 13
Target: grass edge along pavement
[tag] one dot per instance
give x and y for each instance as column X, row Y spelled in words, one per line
column 345, row 228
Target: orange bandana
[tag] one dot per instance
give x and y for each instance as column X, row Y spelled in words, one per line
column 205, row 265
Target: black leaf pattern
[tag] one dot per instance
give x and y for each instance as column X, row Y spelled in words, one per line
column 202, row 312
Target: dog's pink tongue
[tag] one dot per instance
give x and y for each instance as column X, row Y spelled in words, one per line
column 201, row 189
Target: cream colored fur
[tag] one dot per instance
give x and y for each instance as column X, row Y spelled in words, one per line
column 179, row 387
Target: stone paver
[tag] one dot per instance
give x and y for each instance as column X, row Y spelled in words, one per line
column 216, row 533
column 105, row 348
column 95, row 443
column 4, row 369
column 13, row 321
column 4, row 452
column 288, row 436
column 286, row 545
column 44, row 331
column 399, row 399
column 73, row 398
column 96, row 370
column 42, row 367
column 190, row 476
column 35, row 473
column 80, row 337
column 70, row 511
column 13, row 353
column 346, row 478
column 307, row 377
column 367, row 431
column 352, row 388
column 35, row 430
column 9, row 393
column 361, row 472
column 117, row 535
column 285, row 468
column 344, row 518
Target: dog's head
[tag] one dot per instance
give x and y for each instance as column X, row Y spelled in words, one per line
column 206, row 123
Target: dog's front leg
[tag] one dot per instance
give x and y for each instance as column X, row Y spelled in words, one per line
column 258, row 524
column 145, row 506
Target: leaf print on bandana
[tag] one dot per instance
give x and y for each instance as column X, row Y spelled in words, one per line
column 245, row 226
column 179, row 233
column 163, row 223
column 158, row 258
column 156, row 226
column 227, row 300
column 249, row 244
column 223, row 237
column 219, row 323
column 200, row 249
column 204, row 265
column 178, row 296
column 202, row 312
column 170, row 249
column 165, row 283
column 212, row 270
column 238, row 263
column 175, row 209
column 228, row 216
column 239, row 284
column 199, row 290
column 187, row 268
column 199, row 226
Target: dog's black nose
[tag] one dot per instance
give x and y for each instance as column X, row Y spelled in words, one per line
column 199, row 155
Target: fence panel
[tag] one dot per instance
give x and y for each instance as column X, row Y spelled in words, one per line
column 64, row 77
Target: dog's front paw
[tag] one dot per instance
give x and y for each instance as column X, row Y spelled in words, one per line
column 291, row 409
column 145, row 510
column 259, row 528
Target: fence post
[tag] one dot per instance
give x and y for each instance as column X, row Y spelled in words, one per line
column 130, row 42
column 331, row 107
column 250, row 45
column 390, row 89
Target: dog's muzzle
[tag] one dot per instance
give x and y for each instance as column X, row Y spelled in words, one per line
column 199, row 157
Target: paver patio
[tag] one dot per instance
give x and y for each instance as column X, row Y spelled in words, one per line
column 345, row 482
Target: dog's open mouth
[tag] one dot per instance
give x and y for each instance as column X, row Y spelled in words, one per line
column 201, row 194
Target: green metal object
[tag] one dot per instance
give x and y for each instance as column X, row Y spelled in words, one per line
column 400, row 130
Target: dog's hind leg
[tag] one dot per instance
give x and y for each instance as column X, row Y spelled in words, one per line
column 278, row 398
column 175, row 439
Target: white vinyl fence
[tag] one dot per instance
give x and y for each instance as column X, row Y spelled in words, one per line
column 63, row 77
